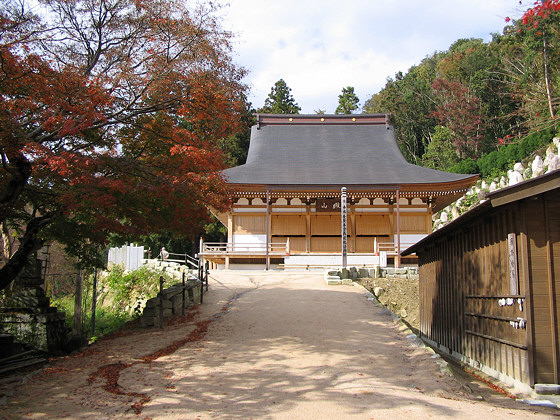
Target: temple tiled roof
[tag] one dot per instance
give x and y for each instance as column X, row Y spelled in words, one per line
column 329, row 150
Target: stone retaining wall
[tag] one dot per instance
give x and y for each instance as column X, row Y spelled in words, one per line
column 29, row 317
column 172, row 302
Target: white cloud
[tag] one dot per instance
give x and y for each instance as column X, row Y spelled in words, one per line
column 319, row 47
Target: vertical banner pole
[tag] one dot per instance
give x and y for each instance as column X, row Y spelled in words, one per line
column 398, row 257
column 343, row 216
column 267, row 229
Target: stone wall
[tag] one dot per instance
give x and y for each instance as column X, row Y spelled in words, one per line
column 28, row 317
column 519, row 172
column 172, row 302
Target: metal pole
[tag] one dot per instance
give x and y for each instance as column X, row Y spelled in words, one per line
column 343, row 216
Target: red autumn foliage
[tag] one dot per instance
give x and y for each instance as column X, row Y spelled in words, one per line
column 540, row 11
column 109, row 121
column 460, row 111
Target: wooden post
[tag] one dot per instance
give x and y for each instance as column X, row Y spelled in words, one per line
column 344, row 226
column 352, row 247
column 161, row 301
column 77, row 326
column 94, row 301
column 206, row 274
column 230, row 238
column 398, row 256
column 267, row 222
column 183, row 296
column 307, row 226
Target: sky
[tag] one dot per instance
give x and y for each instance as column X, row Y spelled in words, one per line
column 319, row 47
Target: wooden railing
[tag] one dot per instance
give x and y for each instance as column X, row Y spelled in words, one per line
column 217, row 248
column 220, row 248
column 391, row 247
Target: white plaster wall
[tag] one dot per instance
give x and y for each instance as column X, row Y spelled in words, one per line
column 253, row 241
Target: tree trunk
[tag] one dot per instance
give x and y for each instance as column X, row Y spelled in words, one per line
column 8, row 242
column 20, row 171
column 547, row 76
column 77, row 326
column 29, row 243
column 93, row 302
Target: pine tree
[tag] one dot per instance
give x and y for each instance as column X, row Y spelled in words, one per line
column 280, row 100
column 347, row 101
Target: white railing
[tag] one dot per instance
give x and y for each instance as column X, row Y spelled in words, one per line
column 228, row 247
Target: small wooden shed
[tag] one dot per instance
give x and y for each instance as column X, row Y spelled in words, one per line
column 490, row 284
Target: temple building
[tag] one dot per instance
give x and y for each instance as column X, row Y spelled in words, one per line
column 287, row 196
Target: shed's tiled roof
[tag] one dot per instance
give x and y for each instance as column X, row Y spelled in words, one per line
column 330, row 154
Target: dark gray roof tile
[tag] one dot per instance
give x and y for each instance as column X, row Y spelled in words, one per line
column 331, row 154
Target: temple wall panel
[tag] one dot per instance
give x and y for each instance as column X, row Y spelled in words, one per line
column 373, row 224
column 415, row 223
column 249, row 224
column 297, row 244
column 325, row 225
column 325, row 244
column 365, row 244
column 288, row 225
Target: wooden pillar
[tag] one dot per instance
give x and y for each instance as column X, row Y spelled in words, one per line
column 267, row 222
column 229, row 244
column 352, row 245
column 307, row 226
column 398, row 256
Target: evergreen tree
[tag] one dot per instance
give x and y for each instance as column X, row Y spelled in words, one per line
column 347, row 101
column 280, row 100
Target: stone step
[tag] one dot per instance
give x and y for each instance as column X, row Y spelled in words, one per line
column 27, row 302
column 30, row 292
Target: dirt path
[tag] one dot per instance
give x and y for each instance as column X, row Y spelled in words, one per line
column 265, row 347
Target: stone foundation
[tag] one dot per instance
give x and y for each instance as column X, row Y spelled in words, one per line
column 29, row 317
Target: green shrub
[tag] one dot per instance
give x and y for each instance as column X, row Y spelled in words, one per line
column 114, row 308
column 498, row 161
column 125, row 287
column 466, row 166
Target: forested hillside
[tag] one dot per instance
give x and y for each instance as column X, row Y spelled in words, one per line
column 461, row 104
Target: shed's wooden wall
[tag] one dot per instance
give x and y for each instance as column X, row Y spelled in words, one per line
column 542, row 218
column 463, row 276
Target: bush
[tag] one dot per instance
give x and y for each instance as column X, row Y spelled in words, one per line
column 466, row 166
column 125, row 287
column 498, row 161
column 118, row 291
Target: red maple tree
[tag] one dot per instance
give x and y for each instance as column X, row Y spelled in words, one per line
column 109, row 115
column 543, row 19
column 460, row 111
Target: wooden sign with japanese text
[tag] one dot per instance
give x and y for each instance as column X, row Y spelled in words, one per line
column 327, row 204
